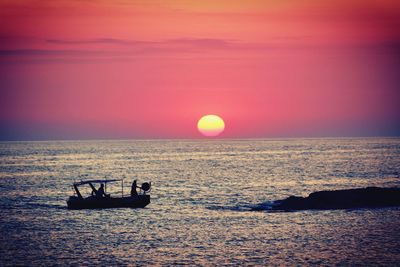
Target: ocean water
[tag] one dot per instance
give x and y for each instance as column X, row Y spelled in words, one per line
column 202, row 195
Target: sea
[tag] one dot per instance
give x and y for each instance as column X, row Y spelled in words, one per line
column 203, row 199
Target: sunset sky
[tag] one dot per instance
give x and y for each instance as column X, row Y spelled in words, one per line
column 151, row 68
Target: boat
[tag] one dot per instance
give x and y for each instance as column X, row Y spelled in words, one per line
column 104, row 200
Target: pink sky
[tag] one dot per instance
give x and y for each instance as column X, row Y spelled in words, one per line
column 151, row 69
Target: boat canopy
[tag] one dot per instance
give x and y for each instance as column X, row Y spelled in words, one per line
column 96, row 181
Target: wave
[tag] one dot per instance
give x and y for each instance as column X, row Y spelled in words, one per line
column 265, row 206
column 42, row 205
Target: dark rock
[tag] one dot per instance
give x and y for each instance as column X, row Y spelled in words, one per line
column 369, row 197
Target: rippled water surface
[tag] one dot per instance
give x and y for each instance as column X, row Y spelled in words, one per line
column 201, row 199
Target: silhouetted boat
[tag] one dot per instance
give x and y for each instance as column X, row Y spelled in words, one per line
column 134, row 200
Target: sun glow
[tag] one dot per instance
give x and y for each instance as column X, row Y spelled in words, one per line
column 211, row 125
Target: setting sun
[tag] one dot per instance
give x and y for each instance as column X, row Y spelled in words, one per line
column 211, row 125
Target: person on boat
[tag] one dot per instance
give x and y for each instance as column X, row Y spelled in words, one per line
column 133, row 189
column 100, row 192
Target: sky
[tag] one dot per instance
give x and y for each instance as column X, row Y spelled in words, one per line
column 103, row 69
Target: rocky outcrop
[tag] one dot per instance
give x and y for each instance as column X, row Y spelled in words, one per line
column 370, row 197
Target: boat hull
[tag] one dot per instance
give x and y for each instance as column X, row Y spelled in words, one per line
column 139, row 201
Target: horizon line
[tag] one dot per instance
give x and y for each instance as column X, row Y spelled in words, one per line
column 200, row 139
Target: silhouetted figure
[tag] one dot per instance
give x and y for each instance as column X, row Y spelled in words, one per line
column 133, row 189
column 100, row 192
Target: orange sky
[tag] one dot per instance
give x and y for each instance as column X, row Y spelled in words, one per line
column 151, row 69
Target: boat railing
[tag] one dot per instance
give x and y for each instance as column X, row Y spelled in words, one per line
column 144, row 188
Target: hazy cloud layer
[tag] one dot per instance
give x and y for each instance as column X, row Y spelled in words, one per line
column 268, row 67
